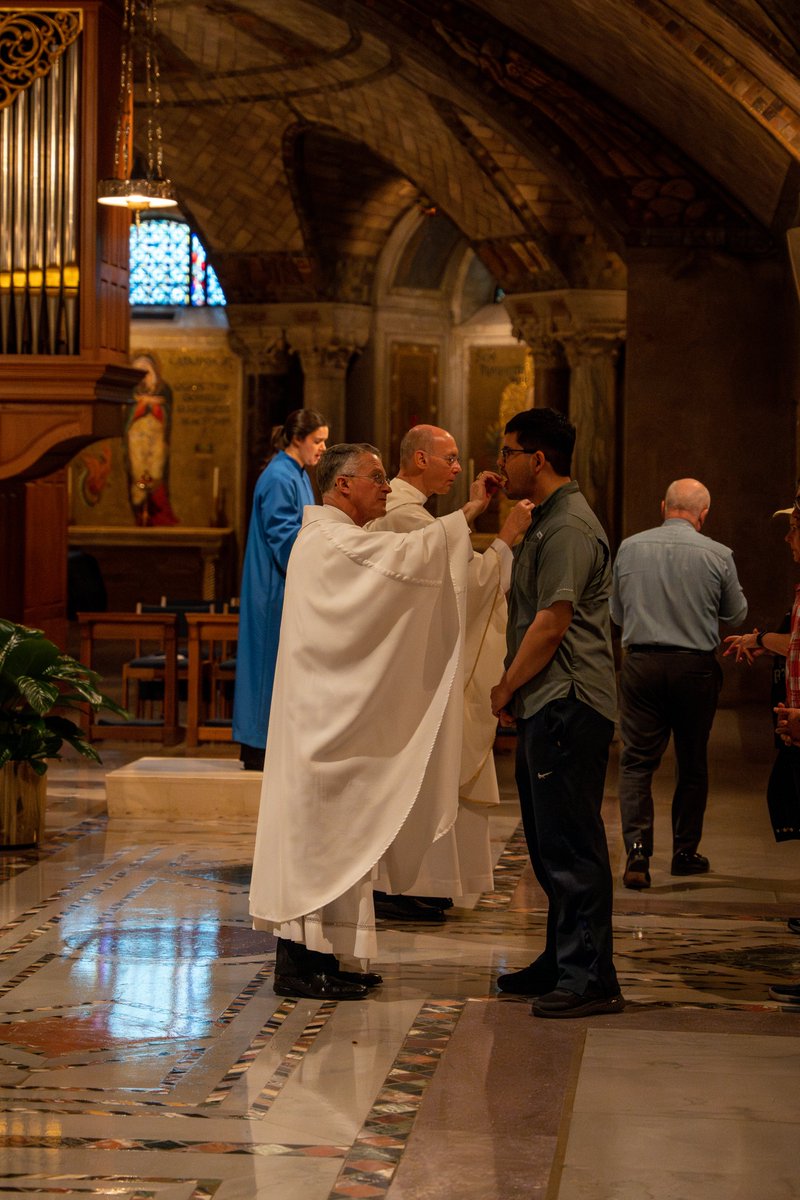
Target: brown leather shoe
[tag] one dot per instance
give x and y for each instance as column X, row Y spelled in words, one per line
column 637, row 872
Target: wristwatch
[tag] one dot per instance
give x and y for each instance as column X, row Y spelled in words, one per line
column 760, row 638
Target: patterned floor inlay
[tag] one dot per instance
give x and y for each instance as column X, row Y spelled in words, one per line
column 13, row 862
column 507, row 873
column 145, row 1056
column 373, row 1159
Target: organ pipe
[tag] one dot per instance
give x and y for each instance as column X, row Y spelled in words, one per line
column 39, row 211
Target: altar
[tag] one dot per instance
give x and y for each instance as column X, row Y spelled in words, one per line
column 148, row 562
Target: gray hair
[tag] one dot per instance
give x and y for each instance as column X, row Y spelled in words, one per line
column 687, row 495
column 341, row 460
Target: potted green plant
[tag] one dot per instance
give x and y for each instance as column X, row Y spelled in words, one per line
column 38, row 686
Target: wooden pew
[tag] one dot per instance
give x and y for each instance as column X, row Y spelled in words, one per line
column 211, row 638
column 158, row 628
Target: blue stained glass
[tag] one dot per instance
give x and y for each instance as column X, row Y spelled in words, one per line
column 214, row 292
column 168, row 265
column 159, row 263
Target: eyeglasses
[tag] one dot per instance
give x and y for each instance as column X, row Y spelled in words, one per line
column 450, row 459
column 507, row 451
column 377, row 477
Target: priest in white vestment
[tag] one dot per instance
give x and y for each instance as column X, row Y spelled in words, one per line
column 359, row 767
column 460, row 862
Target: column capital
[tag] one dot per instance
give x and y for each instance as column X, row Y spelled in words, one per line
column 589, row 317
column 587, row 346
column 259, row 342
column 531, row 323
column 326, row 336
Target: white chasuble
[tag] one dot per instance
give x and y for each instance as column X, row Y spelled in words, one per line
column 461, row 862
column 364, row 740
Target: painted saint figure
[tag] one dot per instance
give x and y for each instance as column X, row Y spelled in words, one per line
column 146, row 441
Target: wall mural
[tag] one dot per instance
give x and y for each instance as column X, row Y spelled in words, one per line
column 175, row 461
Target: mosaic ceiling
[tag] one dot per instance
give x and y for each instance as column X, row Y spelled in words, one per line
column 555, row 136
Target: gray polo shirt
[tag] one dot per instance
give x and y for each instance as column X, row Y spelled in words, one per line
column 672, row 587
column 565, row 556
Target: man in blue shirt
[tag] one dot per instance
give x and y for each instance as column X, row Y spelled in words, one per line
column 672, row 586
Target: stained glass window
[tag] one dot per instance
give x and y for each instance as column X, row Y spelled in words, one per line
column 168, row 265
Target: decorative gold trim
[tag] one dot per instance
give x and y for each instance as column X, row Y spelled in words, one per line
column 30, row 42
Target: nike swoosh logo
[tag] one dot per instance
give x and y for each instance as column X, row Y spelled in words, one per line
column 543, row 774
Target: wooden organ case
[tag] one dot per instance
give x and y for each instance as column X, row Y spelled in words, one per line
column 64, row 314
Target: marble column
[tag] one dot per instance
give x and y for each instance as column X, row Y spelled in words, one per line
column 264, row 352
column 593, row 410
column 575, row 335
column 591, row 326
column 324, row 382
column 532, row 323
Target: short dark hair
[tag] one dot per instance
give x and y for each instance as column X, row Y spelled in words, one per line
column 547, row 430
column 339, row 460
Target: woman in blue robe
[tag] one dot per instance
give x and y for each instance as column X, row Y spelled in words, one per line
column 282, row 491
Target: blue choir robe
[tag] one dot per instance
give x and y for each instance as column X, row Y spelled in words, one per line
column 282, row 492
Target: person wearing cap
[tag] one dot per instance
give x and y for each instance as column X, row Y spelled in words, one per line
column 748, row 646
column 786, row 769
column 672, row 586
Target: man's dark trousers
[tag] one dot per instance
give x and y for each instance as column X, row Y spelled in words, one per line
column 663, row 692
column 562, row 755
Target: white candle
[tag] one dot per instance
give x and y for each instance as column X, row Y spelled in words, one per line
column 215, row 489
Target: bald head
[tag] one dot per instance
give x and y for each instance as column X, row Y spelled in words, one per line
column 429, row 459
column 419, row 437
column 688, row 499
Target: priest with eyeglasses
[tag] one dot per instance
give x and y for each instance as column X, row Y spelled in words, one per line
column 360, row 768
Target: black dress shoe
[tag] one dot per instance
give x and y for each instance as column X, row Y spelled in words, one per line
column 319, row 986
column 533, row 980
column 406, row 908
column 637, row 873
column 563, row 1003
column 368, row 979
column 442, row 902
column 687, row 863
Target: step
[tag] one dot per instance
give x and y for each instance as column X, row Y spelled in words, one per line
column 184, row 789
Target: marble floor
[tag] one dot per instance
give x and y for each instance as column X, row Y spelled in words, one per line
column 143, row 1053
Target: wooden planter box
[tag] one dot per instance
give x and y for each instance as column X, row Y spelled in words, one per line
column 23, row 796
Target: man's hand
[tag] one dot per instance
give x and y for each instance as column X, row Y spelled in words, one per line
column 479, row 496
column 500, row 697
column 517, row 522
column 744, row 646
column 788, row 724
column 491, row 481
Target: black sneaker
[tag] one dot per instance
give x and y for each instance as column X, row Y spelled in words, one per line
column 563, row 1003
column 787, row 993
column 637, row 872
column 686, row 863
column 533, row 980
